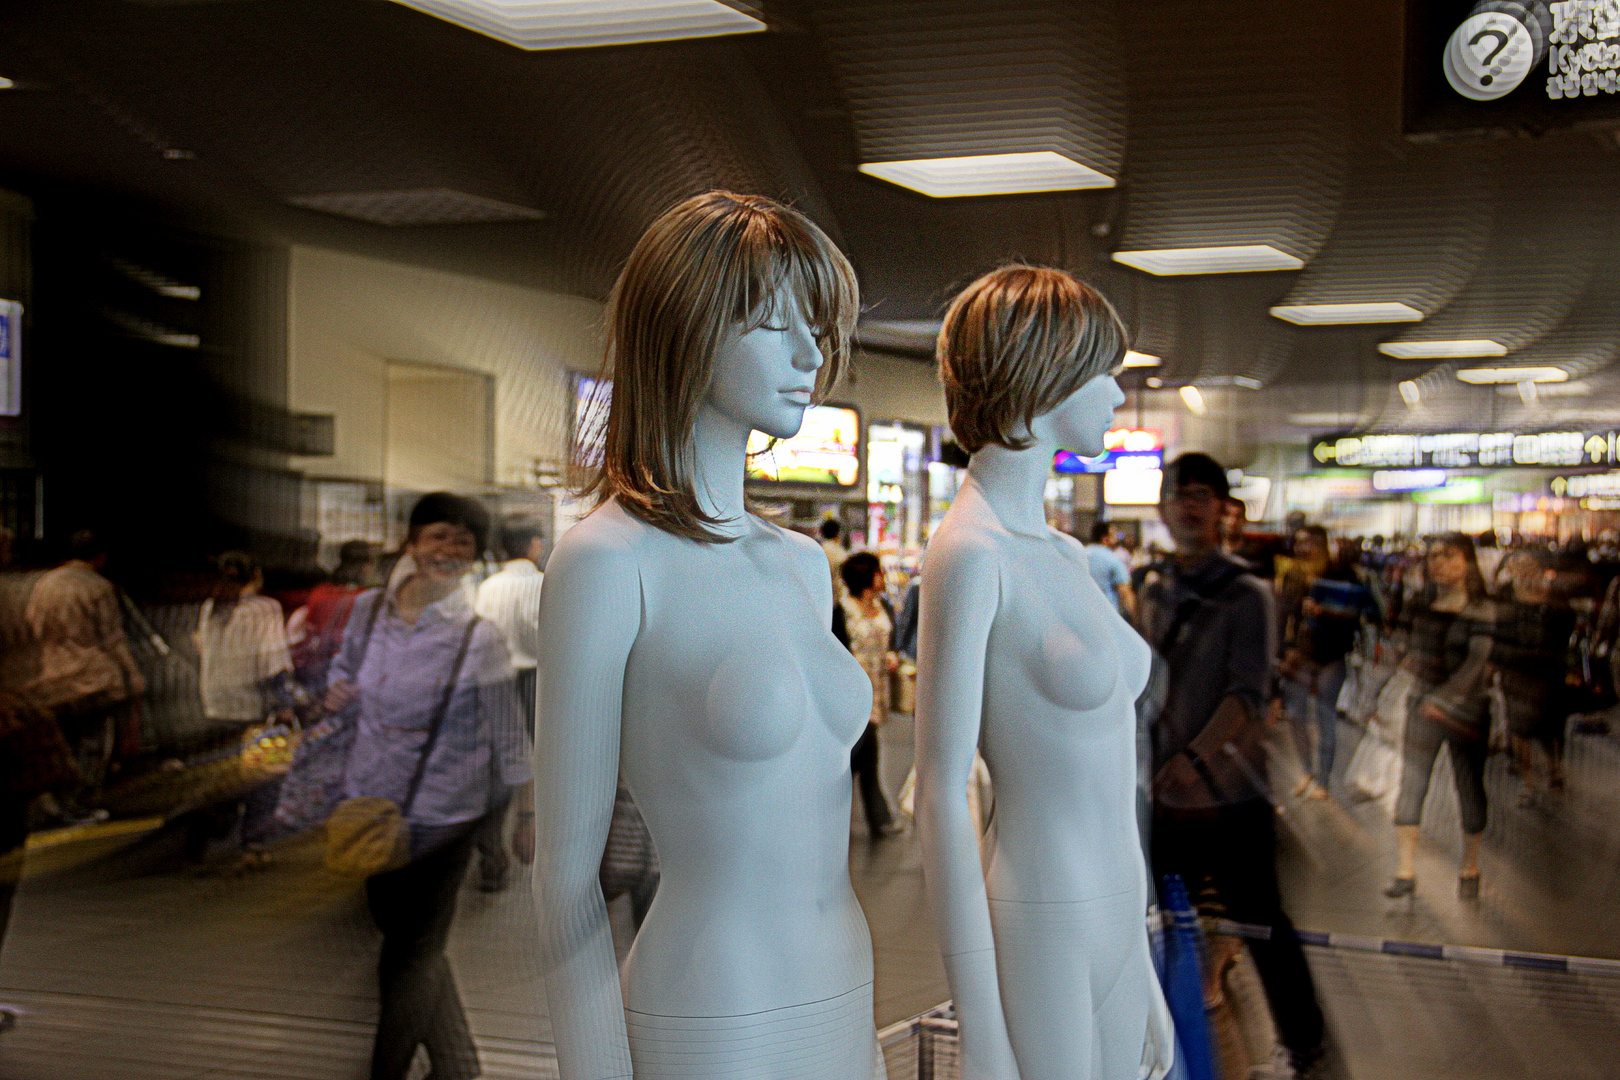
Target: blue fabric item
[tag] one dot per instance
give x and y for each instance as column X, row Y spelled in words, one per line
column 1184, row 984
column 1108, row 570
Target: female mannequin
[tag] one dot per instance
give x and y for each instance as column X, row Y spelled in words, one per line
column 1021, row 656
column 690, row 646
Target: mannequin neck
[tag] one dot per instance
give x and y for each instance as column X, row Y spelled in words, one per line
column 719, row 452
column 1013, row 483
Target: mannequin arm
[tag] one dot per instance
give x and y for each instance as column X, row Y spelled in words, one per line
column 590, row 613
column 960, row 591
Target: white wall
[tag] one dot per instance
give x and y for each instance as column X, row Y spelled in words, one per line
column 348, row 316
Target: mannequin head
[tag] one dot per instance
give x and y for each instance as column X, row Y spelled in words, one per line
column 729, row 302
column 1028, row 354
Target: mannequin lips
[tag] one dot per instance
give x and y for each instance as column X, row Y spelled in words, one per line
column 799, row 395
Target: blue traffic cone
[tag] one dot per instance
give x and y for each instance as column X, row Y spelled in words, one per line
column 1182, row 977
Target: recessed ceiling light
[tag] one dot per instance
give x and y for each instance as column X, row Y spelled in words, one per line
column 1154, row 381
column 1244, row 258
column 1482, row 376
column 1344, row 314
column 6, row 84
column 1442, row 350
column 1410, row 392
column 576, row 24
column 989, row 174
column 1193, row 399
column 1141, row 359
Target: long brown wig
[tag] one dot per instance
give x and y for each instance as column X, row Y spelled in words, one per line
column 710, row 265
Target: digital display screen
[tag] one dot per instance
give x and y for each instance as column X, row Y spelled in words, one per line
column 826, row 451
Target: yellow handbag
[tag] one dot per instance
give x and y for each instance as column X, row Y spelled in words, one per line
column 370, row 834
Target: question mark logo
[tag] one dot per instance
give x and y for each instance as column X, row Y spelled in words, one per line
column 1501, row 43
column 1490, row 54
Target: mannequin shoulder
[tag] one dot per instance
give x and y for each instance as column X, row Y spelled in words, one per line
column 965, row 553
column 602, row 548
column 803, row 554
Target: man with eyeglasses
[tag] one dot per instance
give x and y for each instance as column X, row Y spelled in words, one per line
column 1213, row 622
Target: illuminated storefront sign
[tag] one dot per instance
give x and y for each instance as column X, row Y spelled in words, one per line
column 1141, row 447
column 1462, row 450
column 1460, row 489
column 1579, row 487
column 825, row 451
column 1408, row 479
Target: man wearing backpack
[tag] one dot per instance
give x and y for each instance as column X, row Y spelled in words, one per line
column 1214, row 624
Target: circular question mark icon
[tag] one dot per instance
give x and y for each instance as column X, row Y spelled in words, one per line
column 1490, row 54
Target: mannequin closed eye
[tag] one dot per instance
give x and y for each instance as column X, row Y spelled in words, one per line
column 1072, row 671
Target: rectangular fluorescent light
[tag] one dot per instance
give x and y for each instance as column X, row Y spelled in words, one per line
column 578, row 24
column 1345, row 314
column 1141, row 359
column 989, row 174
column 1242, row 259
column 1482, row 376
column 1442, row 350
column 1193, row 400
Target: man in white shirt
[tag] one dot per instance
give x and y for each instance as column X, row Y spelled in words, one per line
column 510, row 598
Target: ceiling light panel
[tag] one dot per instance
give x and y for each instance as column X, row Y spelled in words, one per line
column 577, row 24
column 1240, row 259
column 1139, row 360
column 989, row 174
column 1487, row 376
column 1346, row 314
column 1442, row 350
column 1031, row 90
column 417, row 206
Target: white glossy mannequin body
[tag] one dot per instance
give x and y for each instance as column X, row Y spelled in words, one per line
column 1021, row 656
column 709, row 672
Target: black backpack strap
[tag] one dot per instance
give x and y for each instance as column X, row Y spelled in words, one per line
column 439, row 711
column 1188, row 607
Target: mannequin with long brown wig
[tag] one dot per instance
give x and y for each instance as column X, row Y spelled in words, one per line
column 689, row 645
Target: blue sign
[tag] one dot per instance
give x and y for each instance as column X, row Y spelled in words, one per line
column 10, row 358
column 1066, row 461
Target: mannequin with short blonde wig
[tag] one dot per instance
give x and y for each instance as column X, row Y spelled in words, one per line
column 688, row 644
column 1022, row 658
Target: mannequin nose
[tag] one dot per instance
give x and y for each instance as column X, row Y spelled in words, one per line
column 806, row 351
column 1116, row 395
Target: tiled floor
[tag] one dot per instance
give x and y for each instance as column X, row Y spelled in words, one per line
column 127, row 968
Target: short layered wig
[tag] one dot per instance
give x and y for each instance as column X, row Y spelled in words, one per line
column 1015, row 345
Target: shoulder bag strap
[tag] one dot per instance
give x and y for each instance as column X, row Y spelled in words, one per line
column 439, row 711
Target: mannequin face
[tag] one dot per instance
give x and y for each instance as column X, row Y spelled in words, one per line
column 1080, row 422
column 764, row 378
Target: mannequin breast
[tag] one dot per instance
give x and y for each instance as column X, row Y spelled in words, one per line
column 1062, row 674
column 740, row 710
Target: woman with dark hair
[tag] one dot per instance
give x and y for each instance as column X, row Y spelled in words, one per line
column 438, row 733
column 1534, row 625
column 1449, row 638
column 868, row 632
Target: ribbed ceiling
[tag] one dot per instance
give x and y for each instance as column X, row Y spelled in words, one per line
column 1252, row 122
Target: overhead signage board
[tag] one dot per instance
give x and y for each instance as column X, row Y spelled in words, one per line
column 1466, row 449
column 1510, row 65
column 10, row 358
